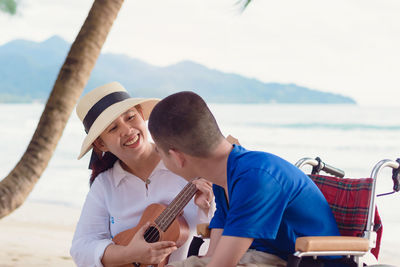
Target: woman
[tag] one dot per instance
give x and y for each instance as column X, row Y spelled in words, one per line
column 127, row 176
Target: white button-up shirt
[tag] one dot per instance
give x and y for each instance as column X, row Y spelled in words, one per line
column 115, row 203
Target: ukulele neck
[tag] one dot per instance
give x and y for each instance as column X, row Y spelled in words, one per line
column 165, row 219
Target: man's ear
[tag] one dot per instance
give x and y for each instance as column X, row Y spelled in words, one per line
column 98, row 143
column 178, row 158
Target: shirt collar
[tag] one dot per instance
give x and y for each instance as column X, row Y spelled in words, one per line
column 119, row 173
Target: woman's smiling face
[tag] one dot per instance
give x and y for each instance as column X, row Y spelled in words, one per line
column 126, row 134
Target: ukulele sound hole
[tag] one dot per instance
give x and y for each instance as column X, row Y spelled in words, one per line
column 152, row 234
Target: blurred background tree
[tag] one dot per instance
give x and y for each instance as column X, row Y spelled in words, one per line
column 8, row 6
column 71, row 80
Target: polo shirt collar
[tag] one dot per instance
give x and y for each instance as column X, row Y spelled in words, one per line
column 119, row 173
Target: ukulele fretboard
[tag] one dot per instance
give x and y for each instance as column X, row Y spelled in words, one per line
column 165, row 219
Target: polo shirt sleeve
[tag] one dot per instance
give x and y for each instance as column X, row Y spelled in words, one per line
column 256, row 205
column 218, row 220
column 92, row 234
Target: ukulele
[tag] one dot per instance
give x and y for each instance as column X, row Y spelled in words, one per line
column 165, row 224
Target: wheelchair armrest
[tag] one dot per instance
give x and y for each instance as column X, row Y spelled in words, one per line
column 203, row 230
column 331, row 243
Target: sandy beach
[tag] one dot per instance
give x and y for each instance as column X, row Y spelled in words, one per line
column 39, row 234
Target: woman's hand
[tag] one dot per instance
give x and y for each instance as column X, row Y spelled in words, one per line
column 204, row 196
column 149, row 253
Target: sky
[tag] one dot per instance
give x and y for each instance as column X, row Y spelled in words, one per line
column 347, row 47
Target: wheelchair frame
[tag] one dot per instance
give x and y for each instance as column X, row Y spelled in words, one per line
column 369, row 234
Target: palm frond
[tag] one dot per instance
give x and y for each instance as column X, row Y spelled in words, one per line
column 243, row 4
column 8, row 6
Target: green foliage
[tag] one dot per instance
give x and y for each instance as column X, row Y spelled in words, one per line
column 8, row 6
column 247, row 2
column 243, row 3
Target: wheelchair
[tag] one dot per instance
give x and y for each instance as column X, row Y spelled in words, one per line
column 352, row 201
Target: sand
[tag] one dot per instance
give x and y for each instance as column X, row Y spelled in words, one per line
column 40, row 234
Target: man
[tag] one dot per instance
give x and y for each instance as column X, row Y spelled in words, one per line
column 263, row 202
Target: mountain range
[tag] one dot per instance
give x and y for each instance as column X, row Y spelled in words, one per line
column 28, row 71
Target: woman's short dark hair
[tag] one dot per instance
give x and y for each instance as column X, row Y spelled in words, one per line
column 183, row 121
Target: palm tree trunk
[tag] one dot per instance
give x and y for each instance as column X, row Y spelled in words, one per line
column 69, row 85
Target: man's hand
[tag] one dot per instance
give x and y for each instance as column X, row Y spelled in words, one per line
column 204, row 196
column 138, row 250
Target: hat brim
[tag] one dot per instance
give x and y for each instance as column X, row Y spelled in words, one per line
column 110, row 114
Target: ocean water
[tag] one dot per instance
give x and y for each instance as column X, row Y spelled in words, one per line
column 353, row 138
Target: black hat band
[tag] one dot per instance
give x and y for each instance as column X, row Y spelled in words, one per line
column 101, row 105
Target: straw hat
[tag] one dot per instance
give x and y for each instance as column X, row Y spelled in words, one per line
column 101, row 106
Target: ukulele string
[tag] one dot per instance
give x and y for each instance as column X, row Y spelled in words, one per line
column 169, row 213
column 175, row 205
column 166, row 214
column 152, row 235
column 177, row 209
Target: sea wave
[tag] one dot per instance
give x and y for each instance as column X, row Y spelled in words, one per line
column 333, row 126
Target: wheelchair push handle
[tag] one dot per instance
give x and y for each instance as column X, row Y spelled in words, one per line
column 395, row 165
column 396, row 177
column 332, row 170
column 318, row 165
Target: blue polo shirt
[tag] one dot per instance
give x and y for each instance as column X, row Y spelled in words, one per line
column 271, row 201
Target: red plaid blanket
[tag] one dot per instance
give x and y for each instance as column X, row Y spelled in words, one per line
column 349, row 200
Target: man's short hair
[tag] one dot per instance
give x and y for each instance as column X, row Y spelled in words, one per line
column 184, row 122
